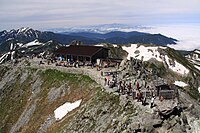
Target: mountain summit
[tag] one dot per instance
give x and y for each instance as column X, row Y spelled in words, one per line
column 26, row 35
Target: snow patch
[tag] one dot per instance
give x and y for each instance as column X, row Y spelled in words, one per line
column 199, row 89
column 23, row 29
column 152, row 52
column 3, row 57
column 12, row 55
column 177, row 67
column 33, row 43
column 19, row 44
column 11, row 46
column 180, row 83
column 100, row 45
column 114, row 45
column 197, row 51
column 198, row 67
column 61, row 111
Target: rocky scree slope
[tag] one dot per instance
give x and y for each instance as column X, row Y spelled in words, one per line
column 29, row 97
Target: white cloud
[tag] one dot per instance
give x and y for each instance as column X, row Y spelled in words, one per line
column 59, row 13
column 188, row 35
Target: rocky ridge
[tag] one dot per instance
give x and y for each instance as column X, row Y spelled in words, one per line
column 106, row 110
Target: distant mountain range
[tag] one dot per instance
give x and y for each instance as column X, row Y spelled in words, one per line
column 118, row 37
column 26, row 35
column 103, row 28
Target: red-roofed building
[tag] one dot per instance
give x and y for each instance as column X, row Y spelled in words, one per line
column 82, row 52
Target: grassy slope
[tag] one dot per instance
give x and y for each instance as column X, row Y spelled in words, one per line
column 16, row 99
column 14, row 102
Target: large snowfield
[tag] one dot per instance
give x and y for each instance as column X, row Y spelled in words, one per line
column 146, row 53
column 61, row 111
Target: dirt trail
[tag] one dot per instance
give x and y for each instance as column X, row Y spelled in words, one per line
column 93, row 74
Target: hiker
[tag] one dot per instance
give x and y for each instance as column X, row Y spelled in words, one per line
column 129, row 88
column 152, row 102
column 148, row 88
column 144, row 101
column 92, row 65
column 115, row 82
column 108, row 82
column 77, row 64
column 138, row 85
column 120, row 86
column 97, row 66
column 101, row 73
column 105, row 79
column 138, row 97
column 161, row 98
column 100, row 66
column 41, row 63
column 124, row 87
column 134, row 95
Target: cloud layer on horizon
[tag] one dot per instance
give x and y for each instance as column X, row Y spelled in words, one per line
column 187, row 35
column 63, row 13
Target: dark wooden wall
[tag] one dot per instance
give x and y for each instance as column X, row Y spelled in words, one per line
column 102, row 54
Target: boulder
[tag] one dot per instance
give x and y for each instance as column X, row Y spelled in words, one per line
column 134, row 126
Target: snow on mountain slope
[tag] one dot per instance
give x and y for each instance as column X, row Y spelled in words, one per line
column 146, row 53
column 142, row 52
column 3, row 57
column 33, row 43
column 194, row 58
column 197, row 51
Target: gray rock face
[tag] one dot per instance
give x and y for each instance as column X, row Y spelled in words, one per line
column 8, row 78
column 36, row 87
column 49, row 121
column 55, row 93
column 24, row 118
column 24, row 76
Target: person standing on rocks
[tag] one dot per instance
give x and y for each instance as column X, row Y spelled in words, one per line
column 124, row 87
column 129, row 88
column 137, row 85
column 144, row 101
column 152, row 102
column 105, row 79
column 138, row 96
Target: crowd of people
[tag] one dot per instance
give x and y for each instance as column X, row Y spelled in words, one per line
column 134, row 90
column 123, row 87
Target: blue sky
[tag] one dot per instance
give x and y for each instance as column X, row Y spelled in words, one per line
column 41, row 14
